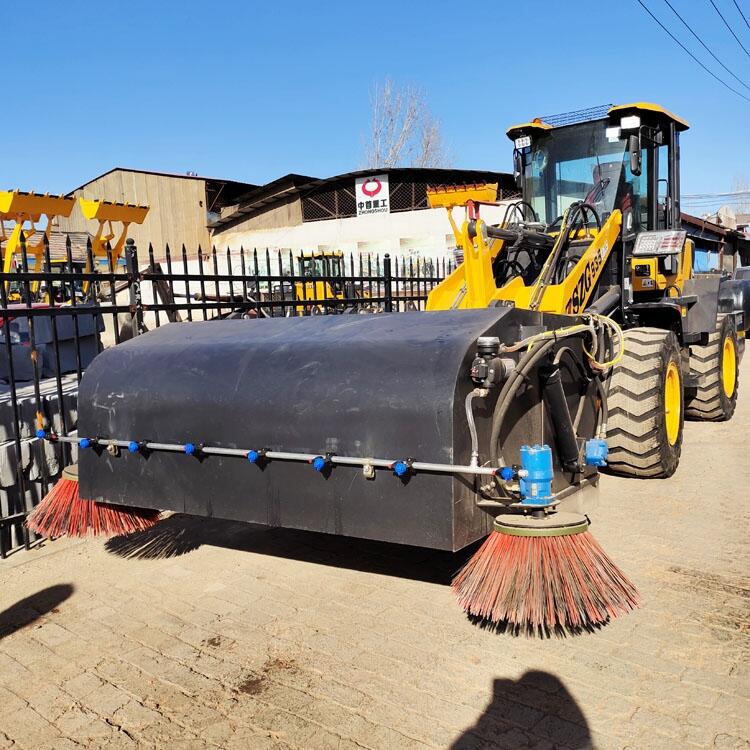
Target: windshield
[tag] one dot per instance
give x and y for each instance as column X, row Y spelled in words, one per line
column 579, row 163
column 321, row 266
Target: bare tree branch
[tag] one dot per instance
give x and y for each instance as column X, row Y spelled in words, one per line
column 402, row 129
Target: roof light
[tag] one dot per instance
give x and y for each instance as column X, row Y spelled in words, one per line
column 630, row 123
column 613, row 134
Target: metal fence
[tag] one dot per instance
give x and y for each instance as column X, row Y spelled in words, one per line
column 58, row 313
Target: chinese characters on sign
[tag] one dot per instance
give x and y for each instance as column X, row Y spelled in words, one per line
column 372, row 195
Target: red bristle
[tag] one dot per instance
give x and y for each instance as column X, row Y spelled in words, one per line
column 543, row 584
column 63, row 512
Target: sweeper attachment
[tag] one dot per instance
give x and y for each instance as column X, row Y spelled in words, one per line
column 430, row 429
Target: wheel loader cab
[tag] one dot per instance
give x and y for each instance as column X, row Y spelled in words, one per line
column 628, row 160
column 322, row 279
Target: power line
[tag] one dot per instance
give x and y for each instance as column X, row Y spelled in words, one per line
column 731, row 30
column 704, row 45
column 741, row 13
column 677, row 41
column 717, row 195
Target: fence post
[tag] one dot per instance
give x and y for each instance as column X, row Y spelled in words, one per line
column 387, row 283
column 134, row 286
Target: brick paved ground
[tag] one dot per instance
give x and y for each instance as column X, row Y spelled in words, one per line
column 210, row 635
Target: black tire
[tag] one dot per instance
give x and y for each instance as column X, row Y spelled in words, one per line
column 711, row 402
column 639, row 445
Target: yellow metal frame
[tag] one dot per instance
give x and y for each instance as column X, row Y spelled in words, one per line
column 107, row 213
column 28, row 209
column 472, row 283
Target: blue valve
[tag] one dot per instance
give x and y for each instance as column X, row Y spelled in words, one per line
column 319, row 463
column 84, row 443
column 253, row 456
column 189, row 449
column 506, row 473
column 401, row 468
column 41, row 434
column 596, row 452
column 133, row 447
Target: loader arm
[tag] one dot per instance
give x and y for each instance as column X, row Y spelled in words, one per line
column 572, row 294
column 473, row 285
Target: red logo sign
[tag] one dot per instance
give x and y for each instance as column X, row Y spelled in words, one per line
column 371, row 187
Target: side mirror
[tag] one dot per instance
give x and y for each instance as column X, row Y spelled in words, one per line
column 517, row 166
column 634, row 147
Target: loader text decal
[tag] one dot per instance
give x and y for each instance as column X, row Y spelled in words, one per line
column 588, row 278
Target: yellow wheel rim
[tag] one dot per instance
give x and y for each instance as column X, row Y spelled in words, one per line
column 672, row 402
column 728, row 367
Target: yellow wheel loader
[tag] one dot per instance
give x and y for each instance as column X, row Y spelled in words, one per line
column 598, row 229
column 492, row 410
column 322, row 281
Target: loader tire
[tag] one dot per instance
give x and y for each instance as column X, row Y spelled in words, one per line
column 645, row 405
column 716, row 364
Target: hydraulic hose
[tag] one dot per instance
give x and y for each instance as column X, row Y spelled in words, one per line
column 509, row 389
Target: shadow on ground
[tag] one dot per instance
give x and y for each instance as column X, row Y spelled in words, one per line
column 180, row 534
column 27, row 610
column 538, row 700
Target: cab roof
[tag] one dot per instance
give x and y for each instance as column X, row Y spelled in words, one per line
column 649, row 110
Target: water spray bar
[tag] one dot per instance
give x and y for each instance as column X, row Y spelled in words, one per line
column 401, row 467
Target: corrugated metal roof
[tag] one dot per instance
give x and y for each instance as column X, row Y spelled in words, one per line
column 293, row 184
column 176, row 175
column 57, row 249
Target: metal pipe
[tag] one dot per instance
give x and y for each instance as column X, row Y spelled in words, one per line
column 381, row 463
column 607, row 302
column 472, row 425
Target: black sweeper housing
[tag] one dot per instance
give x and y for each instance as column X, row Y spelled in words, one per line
column 370, row 386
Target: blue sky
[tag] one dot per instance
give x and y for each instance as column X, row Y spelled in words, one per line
column 253, row 90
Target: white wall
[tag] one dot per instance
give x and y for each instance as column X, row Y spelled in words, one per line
column 425, row 233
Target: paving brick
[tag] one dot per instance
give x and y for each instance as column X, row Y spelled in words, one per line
column 230, row 647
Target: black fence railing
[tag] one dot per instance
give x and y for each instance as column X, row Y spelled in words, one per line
column 58, row 313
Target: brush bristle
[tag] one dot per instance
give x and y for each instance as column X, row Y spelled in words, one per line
column 63, row 512
column 543, row 585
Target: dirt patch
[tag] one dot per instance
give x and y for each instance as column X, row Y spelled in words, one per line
column 252, row 685
column 255, row 683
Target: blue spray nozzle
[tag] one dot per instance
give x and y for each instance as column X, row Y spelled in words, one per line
column 506, row 473
column 133, row 447
column 84, row 443
column 41, row 434
column 401, row 468
column 253, row 457
column 319, row 463
column 189, row 449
